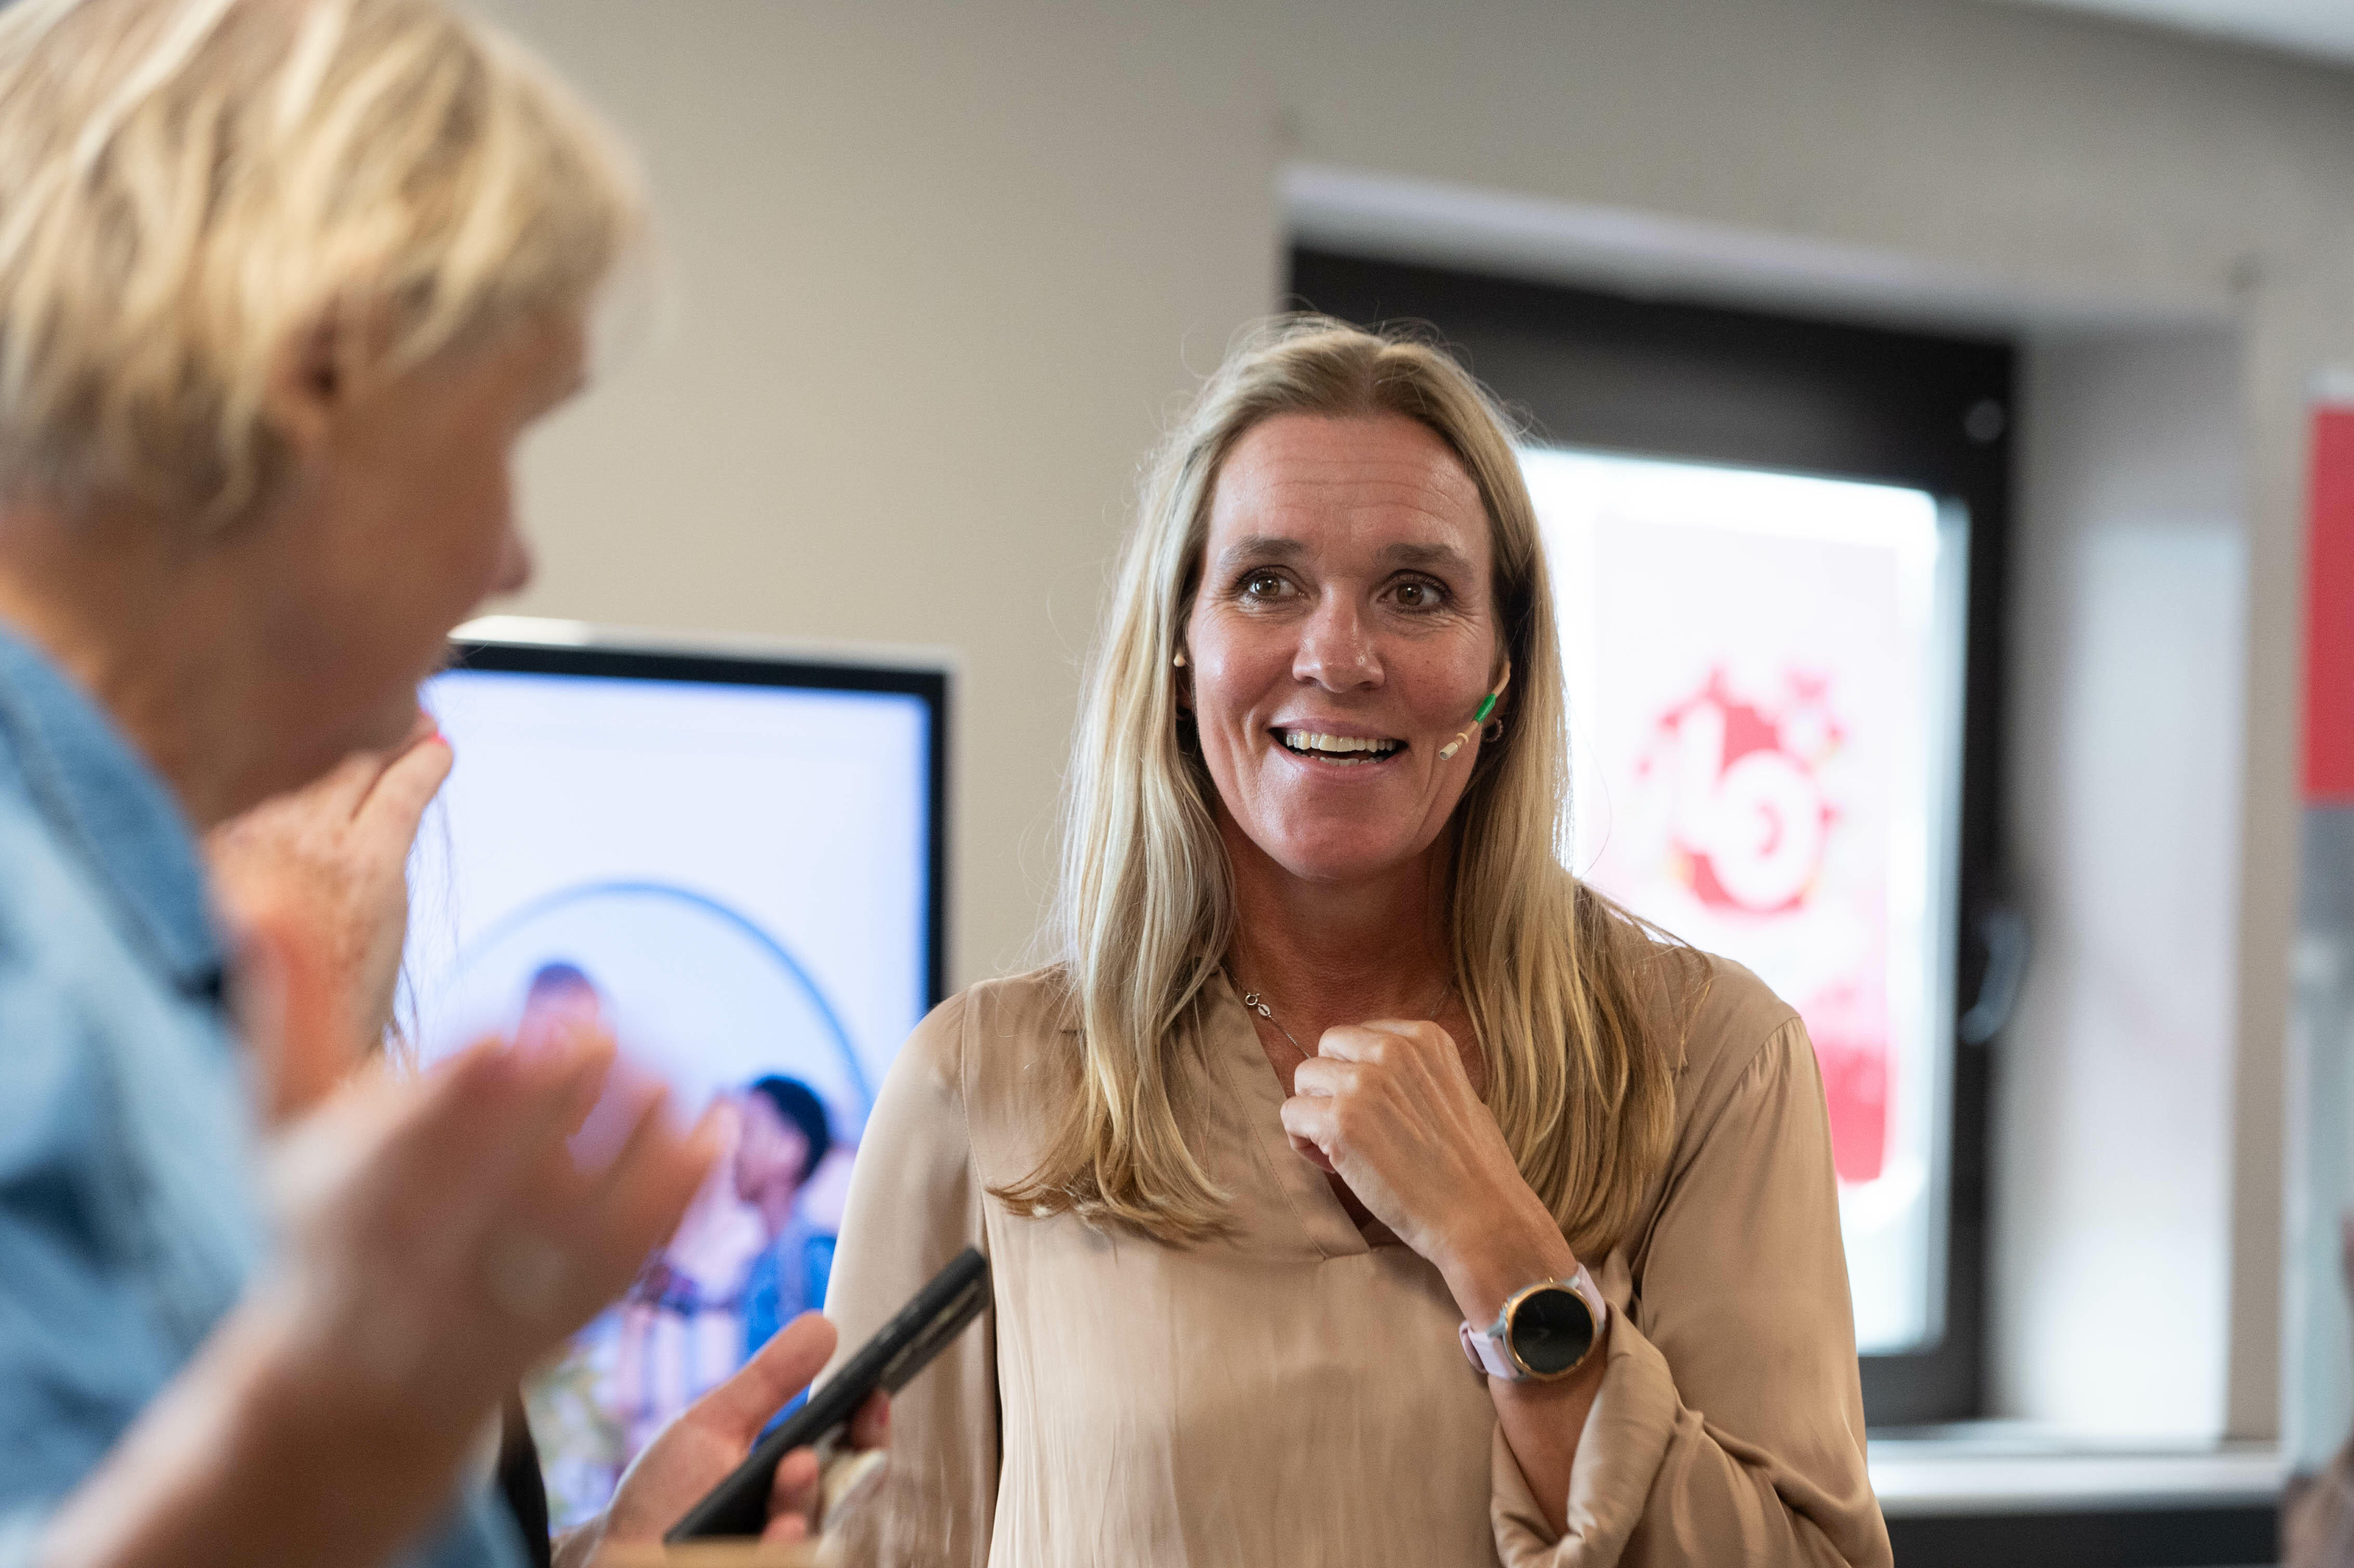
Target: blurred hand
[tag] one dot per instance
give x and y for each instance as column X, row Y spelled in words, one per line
column 333, row 858
column 695, row 1452
column 441, row 1236
column 437, row 1237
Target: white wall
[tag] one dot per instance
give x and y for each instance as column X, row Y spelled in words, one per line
column 942, row 268
column 2112, row 1173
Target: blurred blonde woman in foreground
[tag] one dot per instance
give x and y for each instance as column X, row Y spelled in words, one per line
column 1360, row 1188
column 281, row 282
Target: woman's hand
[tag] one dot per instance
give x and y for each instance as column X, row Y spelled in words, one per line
column 332, row 857
column 1388, row 1107
column 710, row 1437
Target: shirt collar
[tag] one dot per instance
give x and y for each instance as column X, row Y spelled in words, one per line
column 99, row 796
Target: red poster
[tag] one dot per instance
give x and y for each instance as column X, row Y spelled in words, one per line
column 1765, row 684
column 2329, row 612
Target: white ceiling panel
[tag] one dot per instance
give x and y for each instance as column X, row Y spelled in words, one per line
column 2320, row 27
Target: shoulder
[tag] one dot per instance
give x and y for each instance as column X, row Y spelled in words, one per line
column 1714, row 1021
column 1014, row 1016
column 1020, row 1013
column 1748, row 1069
column 1730, row 1016
column 990, row 1057
column 69, row 989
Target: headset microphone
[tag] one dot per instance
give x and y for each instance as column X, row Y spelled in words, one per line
column 1487, row 705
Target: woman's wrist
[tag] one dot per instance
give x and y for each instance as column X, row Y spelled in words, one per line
column 382, row 1377
column 1495, row 1259
column 324, row 1398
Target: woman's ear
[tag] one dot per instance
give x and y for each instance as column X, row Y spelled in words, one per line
column 318, row 369
column 308, row 385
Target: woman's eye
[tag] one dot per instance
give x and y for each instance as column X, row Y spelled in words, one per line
column 1419, row 596
column 1262, row 585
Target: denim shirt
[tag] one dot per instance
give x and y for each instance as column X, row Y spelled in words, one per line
column 130, row 1214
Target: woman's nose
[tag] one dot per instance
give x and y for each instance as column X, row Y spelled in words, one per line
column 1336, row 649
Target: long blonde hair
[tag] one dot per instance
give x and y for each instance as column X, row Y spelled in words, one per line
column 1559, row 983
column 188, row 186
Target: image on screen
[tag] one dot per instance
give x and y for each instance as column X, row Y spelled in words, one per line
column 733, row 865
column 1766, row 698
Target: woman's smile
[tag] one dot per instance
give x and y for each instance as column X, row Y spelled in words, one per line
column 1336, row 746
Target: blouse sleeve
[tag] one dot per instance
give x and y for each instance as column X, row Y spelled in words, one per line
column 1729, row 1425
column 914, row 1202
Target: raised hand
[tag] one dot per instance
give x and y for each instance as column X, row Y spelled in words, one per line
column 438, row 1236
column 1388, row 1106
column 442, row 1232
column 331, row 858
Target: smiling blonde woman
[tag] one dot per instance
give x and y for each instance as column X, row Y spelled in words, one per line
column 1359, row 1187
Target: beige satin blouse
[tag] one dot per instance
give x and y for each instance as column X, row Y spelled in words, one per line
column 1292, row 1397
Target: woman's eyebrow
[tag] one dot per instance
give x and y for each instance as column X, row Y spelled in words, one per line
column 1441, row 556
column 1260, row 547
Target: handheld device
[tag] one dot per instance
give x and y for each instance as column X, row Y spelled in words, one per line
column 890, row 1360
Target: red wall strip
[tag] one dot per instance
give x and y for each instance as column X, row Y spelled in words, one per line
column 2329, row 612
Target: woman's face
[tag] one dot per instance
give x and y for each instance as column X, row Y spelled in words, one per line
column 1341, row 634
column 397, row 522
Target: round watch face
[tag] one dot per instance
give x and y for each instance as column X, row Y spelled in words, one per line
column 1552, row 1329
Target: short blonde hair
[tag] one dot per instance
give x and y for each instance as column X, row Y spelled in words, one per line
column 1563, row 986
column 189, row 188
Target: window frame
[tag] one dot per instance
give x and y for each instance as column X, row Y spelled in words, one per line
column 1705, row 381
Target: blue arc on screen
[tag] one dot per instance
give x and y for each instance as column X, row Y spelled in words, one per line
column 514, row 918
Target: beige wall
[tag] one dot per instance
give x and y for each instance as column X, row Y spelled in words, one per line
column 2112, row 1166
column 940, row 268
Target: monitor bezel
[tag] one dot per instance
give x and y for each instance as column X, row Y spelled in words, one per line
column 620, row 659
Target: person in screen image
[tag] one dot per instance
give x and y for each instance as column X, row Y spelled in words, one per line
column 748, row 1258
column 674, row 1335
column 284, row 281
column 783, row 1135
column 679, row 1331
column 1358, row 1186
column 559, row 996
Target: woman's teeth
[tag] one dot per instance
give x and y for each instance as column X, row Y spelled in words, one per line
column 1338, row 747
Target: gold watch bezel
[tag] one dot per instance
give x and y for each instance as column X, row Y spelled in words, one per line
column 1503, row 1331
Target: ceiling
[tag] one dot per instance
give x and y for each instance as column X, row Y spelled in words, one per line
column 2315, row 27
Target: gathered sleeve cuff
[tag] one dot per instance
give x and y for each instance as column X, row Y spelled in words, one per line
column 1729, row 1425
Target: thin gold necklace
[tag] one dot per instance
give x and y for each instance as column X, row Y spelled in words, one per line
column 1256, row 1001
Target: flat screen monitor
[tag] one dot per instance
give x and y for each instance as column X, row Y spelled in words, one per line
column 735, row 862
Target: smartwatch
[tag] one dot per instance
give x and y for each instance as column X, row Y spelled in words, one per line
column 1544, row 1332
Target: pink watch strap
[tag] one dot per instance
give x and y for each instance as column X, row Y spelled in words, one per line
column 1486, row 1349
column 1487, row 1355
